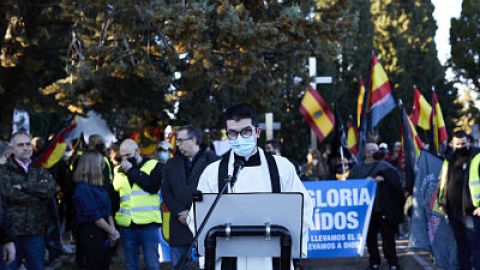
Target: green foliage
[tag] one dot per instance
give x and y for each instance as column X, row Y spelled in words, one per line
column 123, row 59
column 465, row 43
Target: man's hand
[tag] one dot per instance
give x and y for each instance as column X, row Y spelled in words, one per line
column 476, row 212
column 379, row 178
column 126, row 165
column 182, row 217
column 8, row 253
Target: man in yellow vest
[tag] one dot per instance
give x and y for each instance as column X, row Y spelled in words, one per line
column 138, row 183
column 459, row 198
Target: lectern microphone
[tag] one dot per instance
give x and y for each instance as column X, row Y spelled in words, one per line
column 237, row 166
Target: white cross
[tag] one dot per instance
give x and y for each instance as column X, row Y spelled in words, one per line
column 312, row 67
column 269, row 126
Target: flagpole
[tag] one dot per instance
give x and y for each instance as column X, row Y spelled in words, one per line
column 344, row 170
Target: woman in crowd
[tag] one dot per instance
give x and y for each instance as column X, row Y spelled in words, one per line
column 314, row 169
column 92, row 204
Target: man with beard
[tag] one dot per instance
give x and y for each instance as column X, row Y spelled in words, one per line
column 459, row 198
column 138, row 183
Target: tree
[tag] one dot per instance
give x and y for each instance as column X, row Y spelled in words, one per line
column 32, row 42
column 130, row 61
column 465, row 44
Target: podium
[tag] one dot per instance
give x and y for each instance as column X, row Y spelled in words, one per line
column 270, row 222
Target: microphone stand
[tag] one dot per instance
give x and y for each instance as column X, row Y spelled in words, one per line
column 183, row 260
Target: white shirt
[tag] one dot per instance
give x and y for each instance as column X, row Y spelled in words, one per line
column 257, row 179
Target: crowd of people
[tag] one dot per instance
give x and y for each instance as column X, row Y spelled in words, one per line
column 110, row 197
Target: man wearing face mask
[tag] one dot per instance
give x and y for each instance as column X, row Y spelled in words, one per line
column 163, row 151
column 180, row 180
column 261, row 173
column 138, row 182
column 459, row 198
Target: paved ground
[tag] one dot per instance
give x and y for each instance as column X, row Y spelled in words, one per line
column 410, row 259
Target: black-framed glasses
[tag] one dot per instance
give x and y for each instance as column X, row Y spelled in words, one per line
column 180, row 141
column 245, row 133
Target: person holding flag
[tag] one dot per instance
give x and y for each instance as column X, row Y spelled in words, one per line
column 379, row 101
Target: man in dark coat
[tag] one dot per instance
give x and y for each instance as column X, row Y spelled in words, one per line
column 387, row 210
column 180, row 180
column 7, row 236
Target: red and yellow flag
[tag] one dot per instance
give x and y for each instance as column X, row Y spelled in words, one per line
column 147, row 140
column 173, row 142
column 361, row 97
column 439, row 129
column 422, row 111
column 410, row 136
column 57, row 146
column 352, row 137
column 317, row 113
column 382, row 101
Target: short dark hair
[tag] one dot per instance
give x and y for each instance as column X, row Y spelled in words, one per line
column 19, row 133
column 193, row 132
column 94, row 140
column 241, row 111
column 275, row 143
column 460, row 134
column 470, row 138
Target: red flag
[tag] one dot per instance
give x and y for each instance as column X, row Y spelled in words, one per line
column 317, row 113
column 422, row 111
column 439, row 130
column 147, row 140
column 410, row 136
column 352, row 137
column 360, row 99
column 57, row 146
column 382, row 101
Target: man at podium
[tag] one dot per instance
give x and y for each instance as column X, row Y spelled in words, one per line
column 261, row 172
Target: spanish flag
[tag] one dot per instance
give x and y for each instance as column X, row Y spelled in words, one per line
column 422, row 111
column 173, row 142
column 439, row 130
column 382, row 101
column 410, row 138
column 317, row 113
column 360, row 99
column 411, row 145
column 55, row 148
column 352, row 137
column 147, row 140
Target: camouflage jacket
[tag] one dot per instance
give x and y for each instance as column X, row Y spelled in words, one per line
column 28, row 207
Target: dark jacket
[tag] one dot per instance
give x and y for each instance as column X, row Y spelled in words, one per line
column 389, row 198
column 28, row 208
column 7, row 233
column 177, row 192
column 467, row 203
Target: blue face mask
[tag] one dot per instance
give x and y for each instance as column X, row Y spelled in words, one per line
column 243, row 146
column 164, row 156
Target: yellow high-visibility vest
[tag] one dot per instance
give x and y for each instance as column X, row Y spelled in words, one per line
column 473, row 180
column 136, row 205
